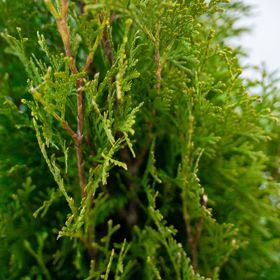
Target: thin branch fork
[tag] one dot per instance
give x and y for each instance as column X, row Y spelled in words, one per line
column 76, row 136
column 62, row 25
column 37, row 95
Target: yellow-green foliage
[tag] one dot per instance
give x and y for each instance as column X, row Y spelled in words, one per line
column 131, row 147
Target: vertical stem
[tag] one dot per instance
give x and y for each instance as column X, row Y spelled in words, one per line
column 186, row 163
column 62, row 25
column 107, row 47
column 65, row 34
column 80, row 131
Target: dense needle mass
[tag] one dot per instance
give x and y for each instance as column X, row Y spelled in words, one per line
column 131, row 147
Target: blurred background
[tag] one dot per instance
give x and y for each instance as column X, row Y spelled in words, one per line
column 263, row 42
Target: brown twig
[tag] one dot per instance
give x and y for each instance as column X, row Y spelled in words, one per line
column 65, row 34
column 107, row 47
column 106, row 42
column 80, row 131
column 105, row 38
column 62, row 25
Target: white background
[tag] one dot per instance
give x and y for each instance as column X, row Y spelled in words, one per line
column 263, row 43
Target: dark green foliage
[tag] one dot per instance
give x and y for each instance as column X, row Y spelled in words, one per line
column 176, row 175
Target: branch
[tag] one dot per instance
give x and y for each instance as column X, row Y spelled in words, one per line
column 52, row 9
column 80, row 130
column 37, row 95
column 62, row 25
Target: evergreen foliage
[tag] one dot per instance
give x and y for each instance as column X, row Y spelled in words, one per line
column 131, row 147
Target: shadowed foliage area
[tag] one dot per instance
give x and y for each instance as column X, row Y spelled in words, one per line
column 131, row 145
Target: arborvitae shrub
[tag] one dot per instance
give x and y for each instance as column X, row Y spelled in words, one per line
column 131, row 147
